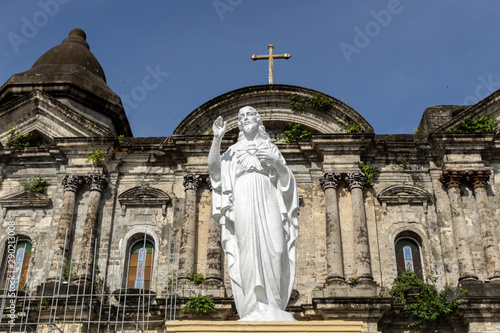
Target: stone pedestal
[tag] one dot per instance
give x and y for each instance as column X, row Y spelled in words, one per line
column 263, row 326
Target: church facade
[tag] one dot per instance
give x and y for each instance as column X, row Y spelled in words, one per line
column 108, row 232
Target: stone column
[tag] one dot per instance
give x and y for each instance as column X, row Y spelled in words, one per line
column 334, row 258
column 478, row 179
column 452, row 181
column 214, row 251
column 62, row 249
column 355, row 181
column 97, row 183
column 188, row 237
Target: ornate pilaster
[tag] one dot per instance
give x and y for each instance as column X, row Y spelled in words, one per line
column 214, row 250
column 452, row 179
column 97, row 183
column 62, row 248
column 355, row 181
column 334, row 258
column 479, row 182
column 188, row 237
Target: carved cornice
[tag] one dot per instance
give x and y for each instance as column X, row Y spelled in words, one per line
column 355, row 180
column 478, row 178
column 72, row 183
column 96, row 182
column 452, row 178
column 191, row 181
column 329, row 180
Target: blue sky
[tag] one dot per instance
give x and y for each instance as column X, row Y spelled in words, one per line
column 387, row 59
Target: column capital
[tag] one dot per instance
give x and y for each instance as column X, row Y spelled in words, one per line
column 72, row 183
column 355, row 180
column 191, row 181
column 478, row 178
column 329, row 180
column 452, row 178
column 96, row 182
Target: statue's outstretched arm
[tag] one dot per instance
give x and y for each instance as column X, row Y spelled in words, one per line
column 214, row 161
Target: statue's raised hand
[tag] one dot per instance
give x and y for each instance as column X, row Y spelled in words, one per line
column 219, row 128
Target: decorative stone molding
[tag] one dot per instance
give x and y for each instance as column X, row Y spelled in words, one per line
column 404, row 194
column 355, row 180
column 329, row 180
column 24, row 199
column 478, row 178
column 144, row 196
column 72, row 183
column 96, row 182
column 191, row 181
column 452, row 178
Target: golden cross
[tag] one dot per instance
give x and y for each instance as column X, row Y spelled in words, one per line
column 271, row 56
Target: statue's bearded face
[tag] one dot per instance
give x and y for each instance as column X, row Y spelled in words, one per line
column 248, row 120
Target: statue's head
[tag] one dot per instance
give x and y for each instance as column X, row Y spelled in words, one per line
column 248, row 118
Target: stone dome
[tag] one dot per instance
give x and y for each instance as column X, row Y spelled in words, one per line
column 73, row 50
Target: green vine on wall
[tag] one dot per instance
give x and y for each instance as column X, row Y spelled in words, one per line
column 294, row 133
column 422, row 301
column 197, row 278
column 203, row 304
column 297, row 103
column 486, row 124
column 96, row 157
column 36, row 185
column 354, row 128
column 18, row 140
column 369, row 171
column 319, row 102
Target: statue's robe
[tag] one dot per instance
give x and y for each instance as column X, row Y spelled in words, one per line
column 258, row 216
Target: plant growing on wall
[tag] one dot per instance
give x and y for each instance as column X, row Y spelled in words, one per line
column 203, row 304
column 69, row 270
column 37, row 184
column 197, row 278
column 486, row 124
column 321, row 102
column 354, row 128
column 369, row 171
column 294, row 133
column 18, row 140
column 297, row 103
column 98, row 281
column 96, row 157
column 422, row 301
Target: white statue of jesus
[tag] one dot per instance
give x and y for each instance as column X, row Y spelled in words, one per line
column 255, row 200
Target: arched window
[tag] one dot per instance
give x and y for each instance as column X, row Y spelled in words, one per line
column 140, row 265
column 408, row 256
column 15, row 268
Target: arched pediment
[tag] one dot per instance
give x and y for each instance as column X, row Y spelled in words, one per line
column 278, row 105
column 144, row 196
column 24, row 199
column 403, row 194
